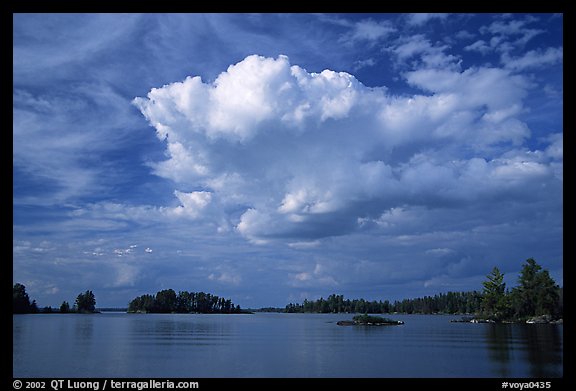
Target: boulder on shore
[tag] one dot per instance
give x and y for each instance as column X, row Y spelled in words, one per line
column 544, row 319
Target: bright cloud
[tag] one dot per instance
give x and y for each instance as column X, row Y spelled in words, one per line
column 308, row 154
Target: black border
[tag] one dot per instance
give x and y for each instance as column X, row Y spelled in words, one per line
column 249, row 6
column 171, row 6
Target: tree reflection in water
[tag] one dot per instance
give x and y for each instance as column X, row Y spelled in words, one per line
column 540, row 345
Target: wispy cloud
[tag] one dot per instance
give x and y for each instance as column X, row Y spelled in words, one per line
column 479, row 46
column 368, row 31
column 417, row 51
column 509, row 35
column 419, row 19
column 533, row 59
column 60, row 140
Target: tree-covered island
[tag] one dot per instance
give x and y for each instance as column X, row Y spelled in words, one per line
column 167, row 301
column 85, row 303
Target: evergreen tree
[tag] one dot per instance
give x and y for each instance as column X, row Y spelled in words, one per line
column 86, row 302
column 548, row 295
column 537, row 293
column 185, row 302
column 494, row 300
column 144, row 303
column 64, row 307
column 20, row 300
column 166, row 301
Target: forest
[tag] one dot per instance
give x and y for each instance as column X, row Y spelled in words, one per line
column 167, row 301
column 449, row 303
column 536, row 294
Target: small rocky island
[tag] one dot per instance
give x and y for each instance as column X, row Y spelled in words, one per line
column 368, row 320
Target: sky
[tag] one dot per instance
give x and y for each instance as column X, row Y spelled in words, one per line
column 270, row 158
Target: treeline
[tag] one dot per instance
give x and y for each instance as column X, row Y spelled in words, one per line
column 21, row 304
column 448, row 303
column 167, row 301
column 537, row 294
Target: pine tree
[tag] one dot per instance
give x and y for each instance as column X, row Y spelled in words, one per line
column 86, row 302
column 537, row 293
column 64, row 307
column 20, row 300
column 494, row 300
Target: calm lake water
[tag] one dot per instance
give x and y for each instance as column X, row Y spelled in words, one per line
column 278, row 345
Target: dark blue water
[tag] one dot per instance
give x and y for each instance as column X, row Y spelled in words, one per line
column 278, row 345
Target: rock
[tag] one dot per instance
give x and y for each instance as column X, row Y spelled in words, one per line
column 482, row 321
column 543, row 319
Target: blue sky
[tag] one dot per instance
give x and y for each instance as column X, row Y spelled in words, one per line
column 272, row 158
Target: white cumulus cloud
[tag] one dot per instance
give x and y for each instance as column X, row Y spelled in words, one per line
column 280, row 152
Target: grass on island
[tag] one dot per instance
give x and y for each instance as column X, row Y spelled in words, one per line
column 369, row 319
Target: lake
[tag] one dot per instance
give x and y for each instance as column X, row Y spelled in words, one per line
column 278, row 345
